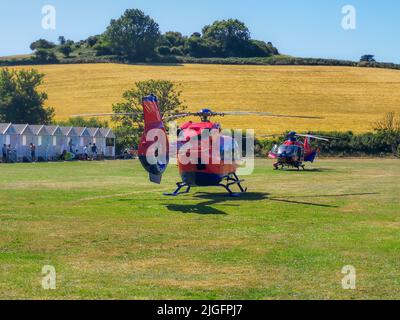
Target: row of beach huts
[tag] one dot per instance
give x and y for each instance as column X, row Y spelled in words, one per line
column 52, row 141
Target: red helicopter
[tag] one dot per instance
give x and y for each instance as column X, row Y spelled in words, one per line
column 197, row 141
column 294, row 152
column 196, row 173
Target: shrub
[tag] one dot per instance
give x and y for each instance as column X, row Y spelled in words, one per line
column 45, row 56
column 177, row 51
column 164, row 50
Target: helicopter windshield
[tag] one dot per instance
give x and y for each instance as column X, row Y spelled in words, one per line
column 288, row 150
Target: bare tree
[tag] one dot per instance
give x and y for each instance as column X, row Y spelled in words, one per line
column 389, row 128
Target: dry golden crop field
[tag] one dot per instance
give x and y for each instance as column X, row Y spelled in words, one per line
column 347, row 98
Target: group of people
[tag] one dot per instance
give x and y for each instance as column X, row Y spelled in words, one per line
column 8, row 153
column 129, row 153
column 90, row 152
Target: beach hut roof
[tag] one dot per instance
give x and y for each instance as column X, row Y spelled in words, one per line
column 22, row 129
column 73, row 132
column 38, row 129
column 95, row 132
column 9, row 128
column 82, row 131
column 65, row 130
column 53, row 130
column 4, row 127
column 107, row 133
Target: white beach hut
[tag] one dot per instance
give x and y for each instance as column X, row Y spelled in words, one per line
column 3, row 129
column 98, row 138
column 4, row 136
column 56, row 148
column 73, row 140
column 84, row 138
column 109, row 144
column 25, row 137
column 10, row 135
column 64, row 141
column 43, row 141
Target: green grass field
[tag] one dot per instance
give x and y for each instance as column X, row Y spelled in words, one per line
column 110, row 234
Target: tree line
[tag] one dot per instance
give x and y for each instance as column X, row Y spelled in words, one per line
column 136, row 37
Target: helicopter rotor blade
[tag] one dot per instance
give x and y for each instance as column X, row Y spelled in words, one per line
column 211, row 114
column 105, row 114
column 330, row 138
column 179, row 115
column 266, row 114
column 312, row 137
column 272, row 136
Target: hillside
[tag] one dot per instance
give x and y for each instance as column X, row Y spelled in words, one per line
column 348, row 98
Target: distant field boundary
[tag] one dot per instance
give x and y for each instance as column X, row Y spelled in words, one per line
column 280, row 60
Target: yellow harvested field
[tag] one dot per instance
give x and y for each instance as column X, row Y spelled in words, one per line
column 348, row 98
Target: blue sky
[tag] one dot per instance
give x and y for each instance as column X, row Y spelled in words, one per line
column 308, row 28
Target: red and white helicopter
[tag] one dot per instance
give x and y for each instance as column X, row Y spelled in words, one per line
column 294, row 151
column 196, row 141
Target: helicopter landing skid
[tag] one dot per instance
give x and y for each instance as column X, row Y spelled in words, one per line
column 177, row 192
column 231, row 179
column 281, row 166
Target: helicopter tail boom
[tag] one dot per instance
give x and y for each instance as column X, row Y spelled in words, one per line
column 157, row 143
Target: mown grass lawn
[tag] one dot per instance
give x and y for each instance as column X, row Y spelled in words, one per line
column 111, row 234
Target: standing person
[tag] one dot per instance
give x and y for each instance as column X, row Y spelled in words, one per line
column 4, row 152
column 90, row 151
column 94, row 151
column 9, row 153
column 70, row 145
column 85, row 152
column 33, row 152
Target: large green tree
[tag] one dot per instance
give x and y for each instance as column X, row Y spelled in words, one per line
column 134, row 35
column 45, row 56
column 130, row 127
column 20, row 99
column 66, row 50
column 41, row 44
column 231, row 34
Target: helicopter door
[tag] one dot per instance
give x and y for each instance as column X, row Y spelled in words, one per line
column 154, row 147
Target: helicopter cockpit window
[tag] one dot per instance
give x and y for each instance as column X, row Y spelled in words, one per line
column 283, row 148
column 289, row 150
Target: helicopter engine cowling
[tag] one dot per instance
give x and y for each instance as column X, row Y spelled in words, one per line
column 154, row 147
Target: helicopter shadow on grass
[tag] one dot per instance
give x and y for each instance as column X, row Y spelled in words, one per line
column 343, row 195
column 214, row 199
column 211, row 199
column 308, row 170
